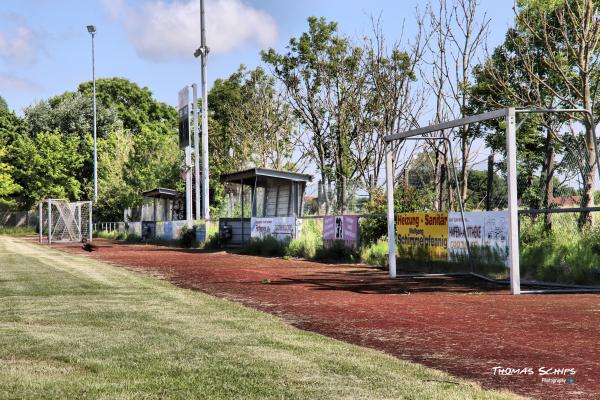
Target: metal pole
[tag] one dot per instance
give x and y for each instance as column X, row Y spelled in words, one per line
column 188, row 185
column 94, row 106
column 90, row 233
column 196, row 151
column 49, row 221
column 204, row 54
column 40, row 219
column 389, row 182
column 513, row 220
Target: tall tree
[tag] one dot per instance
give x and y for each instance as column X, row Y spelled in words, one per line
column 505, row 80
column 393, row 102
column 310, row 63
column 45, row 165
column 458, row 33
column 263, row 121
column 568, row 32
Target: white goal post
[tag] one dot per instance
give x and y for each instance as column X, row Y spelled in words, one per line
column 67, row 221
column 509, row 114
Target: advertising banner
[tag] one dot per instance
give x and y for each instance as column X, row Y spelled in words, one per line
column 168, row 230
column 159, row 230
column 148, row 230
column 281, row 228
column 428, row 231
column 474, row 222
column 341, row 227
column 134, row 228
column 184, row 118
column 484, row 228
column 200, row 233
column 177, row 228
column 495, row 235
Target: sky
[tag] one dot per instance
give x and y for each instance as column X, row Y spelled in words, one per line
column 45, row 48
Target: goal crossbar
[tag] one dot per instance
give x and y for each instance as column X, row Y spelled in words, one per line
column 509, row 114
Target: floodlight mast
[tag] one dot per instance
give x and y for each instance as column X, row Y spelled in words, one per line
column 202, row 52
column 92, row 30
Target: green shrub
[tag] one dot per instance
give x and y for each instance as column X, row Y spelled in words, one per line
column 337, row 252
column 376, row 254
column 309, row 241
column 17, row 231
column 132, row 238
column 188, row 237
column 266, row 247
column 563, row 256
column 107, row 234
column 212, row 240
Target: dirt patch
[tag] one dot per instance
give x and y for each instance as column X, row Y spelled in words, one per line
column 458, row 325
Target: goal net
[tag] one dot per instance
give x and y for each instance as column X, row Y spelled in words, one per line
column 517, row 209
column 69, row 221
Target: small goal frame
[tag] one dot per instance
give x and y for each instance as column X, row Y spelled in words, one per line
column 509, row 115
column 73, row 225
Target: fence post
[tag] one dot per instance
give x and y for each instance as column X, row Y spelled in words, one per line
column 90, row 231
column 49, row 221
column 40, row 220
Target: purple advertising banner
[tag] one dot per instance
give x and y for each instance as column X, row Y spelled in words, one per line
column 341, row 227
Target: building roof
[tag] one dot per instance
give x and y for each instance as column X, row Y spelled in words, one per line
column 161, row 193
column 253, row 173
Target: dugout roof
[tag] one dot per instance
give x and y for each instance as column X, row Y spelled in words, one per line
column 249, row 176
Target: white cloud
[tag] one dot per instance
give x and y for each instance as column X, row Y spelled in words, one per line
column 113, row 8
column 9, row 82
column 18, row 46
column 161, row 30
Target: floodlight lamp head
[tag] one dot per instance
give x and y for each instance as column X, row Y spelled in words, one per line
column 91, row 29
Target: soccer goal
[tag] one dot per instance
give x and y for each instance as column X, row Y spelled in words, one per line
column 66, row 221
column 500, row 222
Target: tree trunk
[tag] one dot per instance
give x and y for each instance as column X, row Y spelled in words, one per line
column 464, row 171
column 548, row 175
column 490, row 183
column 441, row 184
column 437, row 172
column 586, row 218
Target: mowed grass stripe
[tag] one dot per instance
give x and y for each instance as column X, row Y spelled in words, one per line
column 72, row 327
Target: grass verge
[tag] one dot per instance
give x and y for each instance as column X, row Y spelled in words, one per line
column 73, row 327
column 17, row 231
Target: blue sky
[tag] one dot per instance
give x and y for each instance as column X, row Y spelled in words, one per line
column 46, row 50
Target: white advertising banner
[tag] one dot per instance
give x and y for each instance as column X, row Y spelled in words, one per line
column 281, row 228
column 484, row 228
column 474, row 223
column 496, row 230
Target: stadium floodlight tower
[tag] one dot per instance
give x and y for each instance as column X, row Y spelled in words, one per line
column 509, row 114
column 92, row 30
column 202, row 52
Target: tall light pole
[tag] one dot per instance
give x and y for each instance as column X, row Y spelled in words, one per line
column 203, row 53
column 92, row 30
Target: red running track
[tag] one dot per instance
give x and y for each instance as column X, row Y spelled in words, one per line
column 455, row 325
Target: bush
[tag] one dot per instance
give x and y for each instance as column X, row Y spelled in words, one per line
column 17, row 231
column 188, row 237
column 309, row 242
column 337, row 252
column 266, row 247
column 376, row 254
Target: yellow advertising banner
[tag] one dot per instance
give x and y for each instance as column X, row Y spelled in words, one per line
column 424, row 230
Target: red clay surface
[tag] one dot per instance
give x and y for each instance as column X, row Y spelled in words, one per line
column 454, row 325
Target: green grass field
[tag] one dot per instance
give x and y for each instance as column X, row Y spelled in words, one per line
column 71, row 327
